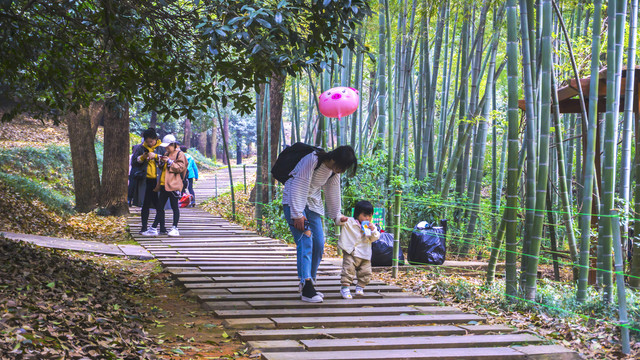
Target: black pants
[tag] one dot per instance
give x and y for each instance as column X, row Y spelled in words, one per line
column 162, row 199
column 131, row 190
column 150, row 199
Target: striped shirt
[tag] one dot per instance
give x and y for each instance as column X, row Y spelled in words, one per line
column 304, row 188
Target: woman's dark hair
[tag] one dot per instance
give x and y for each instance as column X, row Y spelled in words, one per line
column 183, row 148
column 343, row 156
column 150, row 133
column 362, row 207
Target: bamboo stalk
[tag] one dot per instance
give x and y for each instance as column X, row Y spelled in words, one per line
column 226, row 151
column 511, row 244
column 528, row 65
column 259, row 154
column 531, row 274
column 497, row 241
column 553, row 237
column 622, row 297
column 634, row 279
column 585, row 226
column 564, row 191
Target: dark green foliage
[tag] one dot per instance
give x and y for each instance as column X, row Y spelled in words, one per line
column 178, row 57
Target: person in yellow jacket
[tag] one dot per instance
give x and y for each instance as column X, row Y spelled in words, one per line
column 169, row 185
column 144, row 169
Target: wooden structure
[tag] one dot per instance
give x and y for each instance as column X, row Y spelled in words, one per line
column 570, row 103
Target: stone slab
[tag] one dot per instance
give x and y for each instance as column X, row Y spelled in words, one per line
column 294, row 289
column 276, row 345
column 357, row 332
column 136, row 252
column 316, row 312
column 252, row 323
column 225, row 305
column 420, row 342
column 548, row 352
column 355, row 302
column 293, row 297
column 374, row 320
column 493, row 353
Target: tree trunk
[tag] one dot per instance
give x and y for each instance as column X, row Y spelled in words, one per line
column 270, row 143
column 86, row 180
column 113, row 192
column 154, row 120
column 225, row 135
column 202, row 143
column 238, row 148
column 213, row 144
column 96, row 111
column 187, row 133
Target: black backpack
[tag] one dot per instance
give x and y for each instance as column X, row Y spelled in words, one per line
column 289, row 158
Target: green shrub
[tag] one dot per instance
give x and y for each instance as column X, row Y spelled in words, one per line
column 32, row 189
column 202, row 161
column 50, row 165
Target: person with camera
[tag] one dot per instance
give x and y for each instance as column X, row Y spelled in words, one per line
column 144, row 168
column 303, row 208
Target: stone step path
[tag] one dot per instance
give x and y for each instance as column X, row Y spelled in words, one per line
column 251, row 283
column 130, row 251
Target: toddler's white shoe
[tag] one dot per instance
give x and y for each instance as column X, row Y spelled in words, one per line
column 174, row 232
column 359, row 291
column 346, row 293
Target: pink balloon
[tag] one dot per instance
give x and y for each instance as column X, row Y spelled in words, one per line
column 338, row 102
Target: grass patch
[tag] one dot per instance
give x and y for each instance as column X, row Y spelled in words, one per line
column 50, row 165
column 221, row 206
column 45, row 193
column 202, row 161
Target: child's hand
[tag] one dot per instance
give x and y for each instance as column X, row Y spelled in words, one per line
column 371, row 226
column 344, row 219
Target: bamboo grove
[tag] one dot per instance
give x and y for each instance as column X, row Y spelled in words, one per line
column 470, row 97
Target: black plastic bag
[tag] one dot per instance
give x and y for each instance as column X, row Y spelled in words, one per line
column 382, row 251
column 428, row 244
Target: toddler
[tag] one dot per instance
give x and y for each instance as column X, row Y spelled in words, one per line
column 356, row 237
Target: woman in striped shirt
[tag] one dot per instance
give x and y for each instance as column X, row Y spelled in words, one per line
column 303, row 208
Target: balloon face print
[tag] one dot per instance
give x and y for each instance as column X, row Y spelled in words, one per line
column 338, row 102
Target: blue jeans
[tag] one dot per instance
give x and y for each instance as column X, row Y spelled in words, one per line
column 309, row 248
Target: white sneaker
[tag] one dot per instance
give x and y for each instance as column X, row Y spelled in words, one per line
column 359, row 291
column 346, row 293
column 151, row 231
column 316, row 299
column 174, row 232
